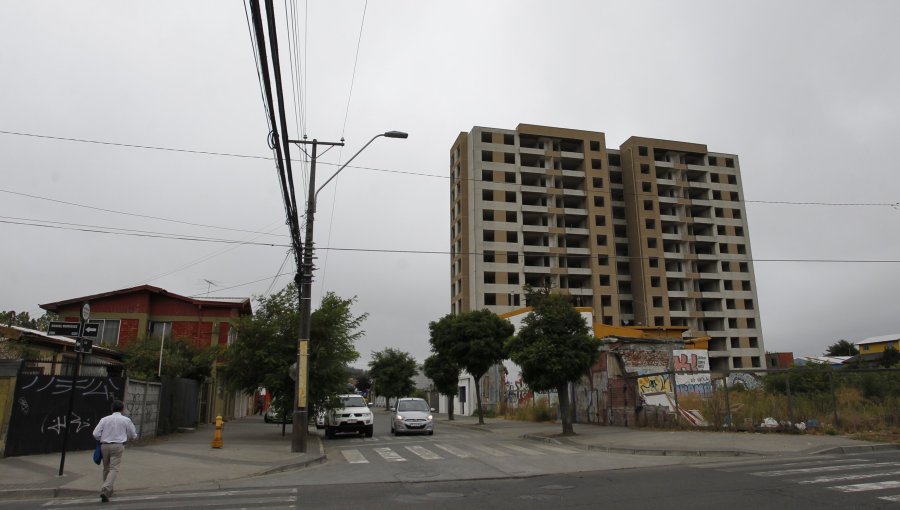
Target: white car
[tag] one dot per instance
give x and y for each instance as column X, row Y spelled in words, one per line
column 354, row 416
column 412, row 415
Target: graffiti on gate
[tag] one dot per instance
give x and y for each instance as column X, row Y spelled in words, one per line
column 518, row 393
column 748, row 381
column 40, row 418
column 692, row 371
column 654, row 384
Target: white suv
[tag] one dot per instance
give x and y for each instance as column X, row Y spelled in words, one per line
column 354, row 415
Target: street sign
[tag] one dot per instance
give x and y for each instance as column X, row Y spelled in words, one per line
column 63, row 329
column 70, row 329
column 91, row 330
column 84, row 345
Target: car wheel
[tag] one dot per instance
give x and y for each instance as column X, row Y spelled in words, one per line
column 430, row 432
column 370, row 430
column 329, row 432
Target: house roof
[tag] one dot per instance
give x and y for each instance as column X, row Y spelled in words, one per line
column 880, row 339
column 17, row 332
column 244, row 303
column 830, row 360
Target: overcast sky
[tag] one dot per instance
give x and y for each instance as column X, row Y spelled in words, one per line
column 805, row 93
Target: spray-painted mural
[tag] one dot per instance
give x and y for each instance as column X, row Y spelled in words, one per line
column 692, row 371
column 748, row 381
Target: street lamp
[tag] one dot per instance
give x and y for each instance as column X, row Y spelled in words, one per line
column 301, row 410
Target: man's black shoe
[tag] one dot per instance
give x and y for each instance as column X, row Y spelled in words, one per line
column 103, row 498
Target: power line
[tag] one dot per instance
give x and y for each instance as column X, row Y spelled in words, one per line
column 355, row 61
column 893, row 205
column 125, row 232
column 430, row 252
column 75, row 204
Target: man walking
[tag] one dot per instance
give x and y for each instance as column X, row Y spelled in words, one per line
column 113, row 431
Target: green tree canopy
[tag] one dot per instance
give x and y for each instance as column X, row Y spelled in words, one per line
column 180, row 358
column 475, row 340
column 553, row 348
column 842, row 348
column 266, row 348
column 392, row 372
column 24, row 320
column 445, row 374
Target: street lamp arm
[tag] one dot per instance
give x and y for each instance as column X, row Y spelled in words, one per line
column 388, row 134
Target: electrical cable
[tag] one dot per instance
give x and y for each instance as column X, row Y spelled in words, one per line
column 428, row 252
column 893, row 205
column 137, row 215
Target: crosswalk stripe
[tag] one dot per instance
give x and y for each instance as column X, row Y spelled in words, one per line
column 453, row 451
column 846, row 478
column 289, row 495
column 488, row 450
column 895, row 499
column 823, row 469
column 862, row 487
column 354, row 457
column 423, row 452
column 389, row 455
column 522, row 449
column 554, row 449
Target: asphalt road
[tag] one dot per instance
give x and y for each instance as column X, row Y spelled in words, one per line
column 867, row 481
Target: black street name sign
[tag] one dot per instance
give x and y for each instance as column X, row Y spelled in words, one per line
column 70, row 329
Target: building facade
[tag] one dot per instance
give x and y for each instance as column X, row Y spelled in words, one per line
column 126, row 315
column 651, row 234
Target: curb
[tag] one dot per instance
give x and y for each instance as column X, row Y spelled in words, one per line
column 659, row 452
column 881, row 447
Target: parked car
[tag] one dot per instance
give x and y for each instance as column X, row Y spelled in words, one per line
column 320, row 418
column 273, row 416
column 354, row 416
column 412, row 415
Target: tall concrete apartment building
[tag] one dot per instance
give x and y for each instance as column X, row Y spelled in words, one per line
column 653, row 233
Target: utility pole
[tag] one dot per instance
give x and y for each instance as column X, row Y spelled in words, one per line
column 305, row 275
column 299, row 430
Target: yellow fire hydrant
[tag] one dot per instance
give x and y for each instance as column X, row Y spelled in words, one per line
column 217, row 438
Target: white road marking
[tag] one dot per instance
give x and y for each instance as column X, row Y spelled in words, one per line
column 389, row 455
column 423, row 452
column 453, row 451
column 522, row 449
column 862, row 487
column 895, row 499
column 822, row 469
column 845, row 478
column 555, row 449
column 488, row 450
column 183, row 495
column 354, row 457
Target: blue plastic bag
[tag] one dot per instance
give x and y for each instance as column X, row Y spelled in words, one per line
column 98, row 455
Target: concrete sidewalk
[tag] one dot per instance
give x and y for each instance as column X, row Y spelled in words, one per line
column 635, row 441
column 252, row 448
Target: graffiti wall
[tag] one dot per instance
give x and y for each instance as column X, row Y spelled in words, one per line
column 692, row 371
column 40, row 412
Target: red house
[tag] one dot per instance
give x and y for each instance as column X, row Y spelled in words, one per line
column 128, row 314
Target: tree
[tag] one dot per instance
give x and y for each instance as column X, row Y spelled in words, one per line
column 553, row 348
column 889, row 357
column 445, row 374
column 842, row 348
column 334, row 332
column 180, row 358
column 24, row 320
column 266, row 348
column 392, row 372
column 475, row 341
